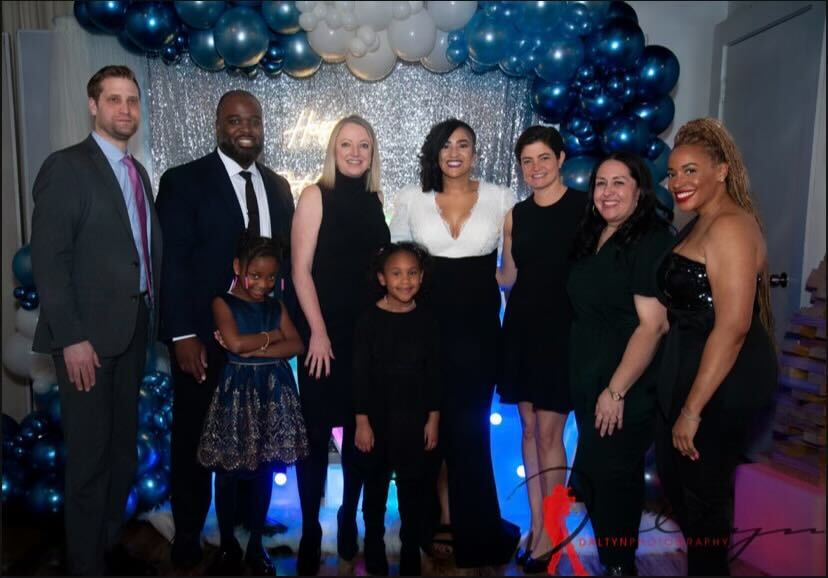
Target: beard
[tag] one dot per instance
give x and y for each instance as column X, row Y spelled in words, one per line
column 244, row 156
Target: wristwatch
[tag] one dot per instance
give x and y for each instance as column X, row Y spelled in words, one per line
column 615, row 395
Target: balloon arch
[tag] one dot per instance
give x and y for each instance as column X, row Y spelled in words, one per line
column 591, row 74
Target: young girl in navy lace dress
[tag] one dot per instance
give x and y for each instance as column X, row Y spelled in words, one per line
column 254, row 420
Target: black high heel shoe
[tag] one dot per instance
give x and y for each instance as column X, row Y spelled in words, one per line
column 537, row 565
column 309, row 557
column 523, row 554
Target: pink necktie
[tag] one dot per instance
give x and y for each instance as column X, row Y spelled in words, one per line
column 140, row 204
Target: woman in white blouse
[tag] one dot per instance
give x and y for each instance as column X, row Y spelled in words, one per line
column 459, row 220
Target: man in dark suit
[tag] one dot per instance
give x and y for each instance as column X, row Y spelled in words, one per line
column 204, row 207
column 96, row 257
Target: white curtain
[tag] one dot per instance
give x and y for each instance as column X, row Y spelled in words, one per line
column 76, row 56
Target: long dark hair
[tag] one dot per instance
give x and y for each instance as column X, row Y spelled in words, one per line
column 649, row 214
column 431, row 177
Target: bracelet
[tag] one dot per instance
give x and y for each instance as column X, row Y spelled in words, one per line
column 615, row 395
column 686, row 415
column 267, row 343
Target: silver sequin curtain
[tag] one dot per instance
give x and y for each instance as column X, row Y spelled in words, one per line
column 298, row 116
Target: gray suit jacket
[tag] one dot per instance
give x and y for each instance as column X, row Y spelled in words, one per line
column 85, row 263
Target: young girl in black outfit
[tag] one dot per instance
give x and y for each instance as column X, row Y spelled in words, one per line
column 396, row 400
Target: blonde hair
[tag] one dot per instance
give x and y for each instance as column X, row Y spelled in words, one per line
column 372, row 175
column 714, row 138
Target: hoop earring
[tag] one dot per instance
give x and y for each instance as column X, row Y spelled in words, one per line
column 595, row 211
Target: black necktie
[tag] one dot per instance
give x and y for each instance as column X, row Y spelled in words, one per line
column 252, row 204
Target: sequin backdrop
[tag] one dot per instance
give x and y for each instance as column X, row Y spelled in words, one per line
column 298, row 116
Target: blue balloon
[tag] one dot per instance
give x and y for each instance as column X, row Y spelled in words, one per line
column 29, row 305
column 560, row 60
column 664, row 198
column 153, row 488
column 617, row 45
column 248, row 3
column 658, row 152
column 10, row 430
column 599, row 106
column 657, row 72
column 151, row 25
column 81, row 11
column 32, row 295
column 537, row 16
column 200, row 15
column 131, row 504
column 623, row 11
column 521, row 55
column 621, row 87
column 20, row 292
column 182, row 39
column 598, row 9
column 576, row 19
column 479, row 68
column 579, row 126
column 577, row 170
column 22, row 266
column 170, row 54
column 271, row 69
column 203, row 51
column 34, row 427
column 47, row 455
column 281, row 17
column 18, row 449
column 658, row 114
column 457, row 36
column 504, row 12
column 107, row 15
column 457, row 53
column 147, row 456
column 43, row 400
column 300, row 59
column 488, row 41
column 625, row 133
column 241, row 37
column 576, row 146
column 127, row 44
column 551, row 100
column 14, row 480
column 45, row 497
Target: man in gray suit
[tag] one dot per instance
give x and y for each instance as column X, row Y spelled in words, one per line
column 96, row 258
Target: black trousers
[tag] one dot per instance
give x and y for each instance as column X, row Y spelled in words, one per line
column 100, row 430
column 191, row 489
column 701, row 492
column 608, row 476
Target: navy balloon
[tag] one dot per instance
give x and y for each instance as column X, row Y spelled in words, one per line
column 665, row 198
column 658, row 152
column 22, row 266
column 271, row 68
column 480, row 68
column 579, row 126
column 47, row 455
column 599, row 105
column 153, row 488
column 203, row 51
column 504, row 12
column 457, row 53
column 537, row 16
column 622, row 10
column 81, row 12
column 182, row 39
column 618, row 45
column 19, row 292
column 170, row 54
column 248, row 3
column 147, row 456
column 281, row 17
column 576, row 146
column 34, row 426
column 127, row 44
column 18, row 449
column 45, row 496
column 241, row 37
column 109, row 15
column 131, row 504
column 200, row 15
column 521, row 57
column 625, row 133
column 658, row 114
column 657, row 72
column 551, row 100
column 10, row 429
column 14, row 479
column 29, row 305
column 577, row 170
column 598, row 9
column 151, row 25
column 488, row 41
column 300, row 59
column 621, row 87
column 576, row 19
column 560, row 59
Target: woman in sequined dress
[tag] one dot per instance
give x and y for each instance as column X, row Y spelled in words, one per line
column 459, row 220
column 719, row 368
column 254, row 419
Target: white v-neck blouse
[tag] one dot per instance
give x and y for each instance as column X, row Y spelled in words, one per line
column 417, row 218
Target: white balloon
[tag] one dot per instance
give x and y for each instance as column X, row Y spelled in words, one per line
column 349, row 20
column 450, row 16
column 320, row 10
column 331, row 45
column 308, row 21
column 358, row 47
column 437, row 61
column 377, row 15
column 162, row 358
column 374, row 65
column 17, row 354
column 334, row 19
column 43, row 367
column 413, row 38
column 26, row 321
column 303, row 6
column 401, row 10
column 416, row 5
column 41, row 385
column 375, row 44
column 367, row 34
column 344, row 5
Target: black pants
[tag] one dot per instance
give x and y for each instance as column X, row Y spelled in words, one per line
column 191, row 482
column 608, row 476
column 100, row 430
column 701, row 492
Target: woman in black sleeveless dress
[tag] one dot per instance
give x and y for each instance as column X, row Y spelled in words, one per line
column 719, row 369
column 537, row 241
column 338, row 227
